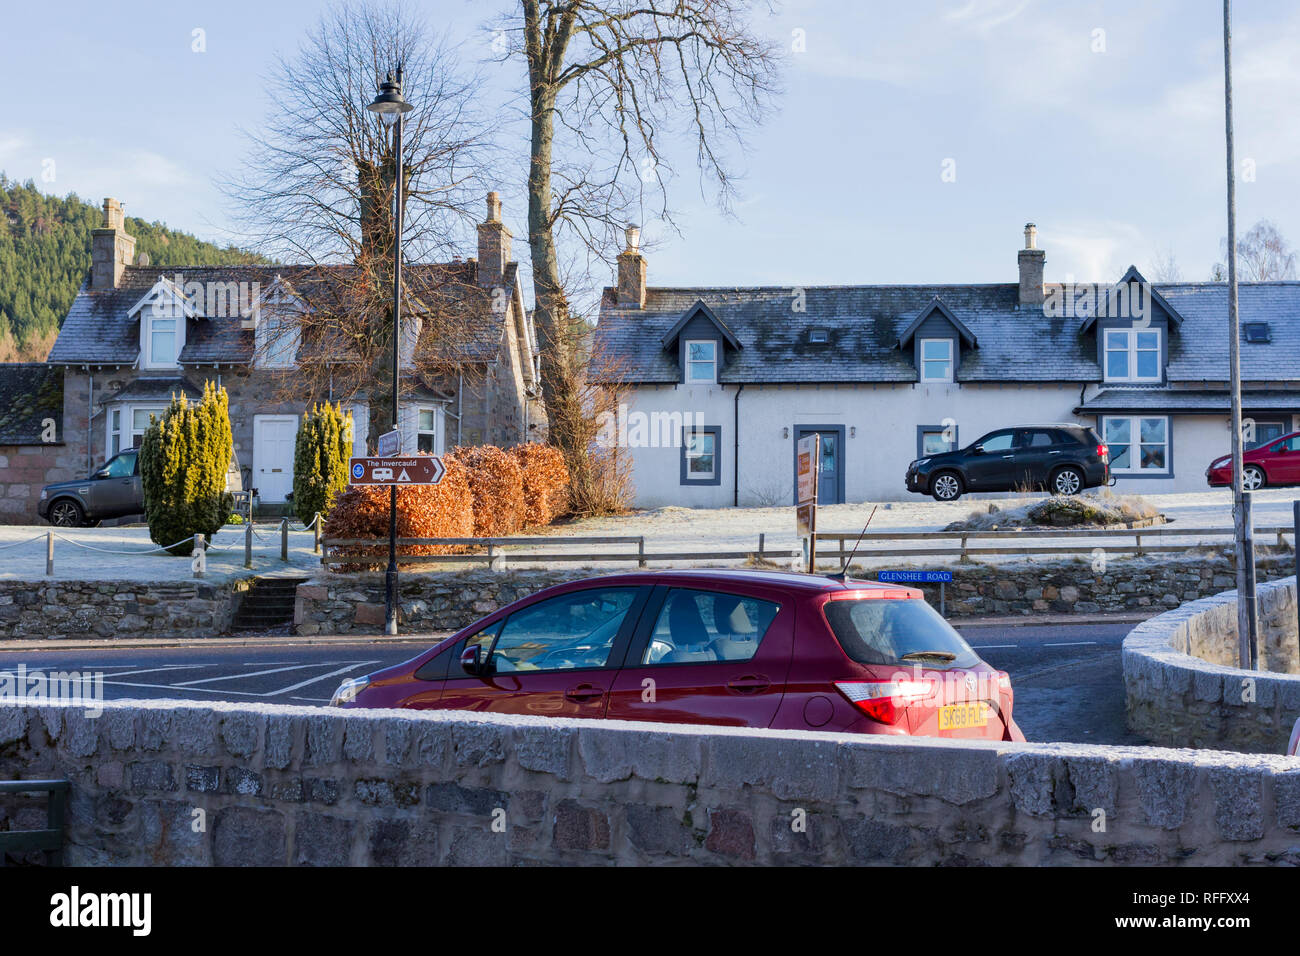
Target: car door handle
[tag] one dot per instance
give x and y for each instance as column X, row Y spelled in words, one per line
column 749, row 685
column 1053, row 452
column 1008, row 456
column 584, row 692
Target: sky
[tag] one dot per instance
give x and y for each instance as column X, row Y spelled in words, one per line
column 911, row 144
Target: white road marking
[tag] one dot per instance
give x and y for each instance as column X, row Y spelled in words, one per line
column 274, row 670
column 92, row 669
column 984, row 646
column 340, row 671
column 1071, row 644
column 314, row 700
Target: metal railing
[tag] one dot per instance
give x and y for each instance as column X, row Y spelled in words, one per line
column 1112, row 540
column 493, row 551
column 49, row 840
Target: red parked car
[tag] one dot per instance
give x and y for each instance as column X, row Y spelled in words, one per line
column 728, row 647
column 1274, row 463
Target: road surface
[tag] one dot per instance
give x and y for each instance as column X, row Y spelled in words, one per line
column 1066, row 677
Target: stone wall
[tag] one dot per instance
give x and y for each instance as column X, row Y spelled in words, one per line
column 1182, row 685
column 438, row 601
column 103, row 609
column 169, row 783
column 24, row 469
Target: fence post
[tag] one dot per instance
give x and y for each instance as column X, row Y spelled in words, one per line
column 1137, row 538
column 248, row 542
column 284, row 539
column 198, row 556
column 761, row 538
column 49, row 553
column 316, row 524
column 640, row 552
column 965, row 558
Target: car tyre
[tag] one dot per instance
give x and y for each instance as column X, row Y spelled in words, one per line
column 1253, row 478
column 66, row 513
column 946, row 486
column 1067, row 481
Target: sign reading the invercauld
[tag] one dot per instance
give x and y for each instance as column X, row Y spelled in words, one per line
column 415, row 470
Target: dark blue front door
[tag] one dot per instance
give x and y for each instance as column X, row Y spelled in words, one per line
column 830, row 469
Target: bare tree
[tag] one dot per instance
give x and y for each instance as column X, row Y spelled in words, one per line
column 318, row 191
column 1164, row 267
column 1263, row 253
column 609, row 83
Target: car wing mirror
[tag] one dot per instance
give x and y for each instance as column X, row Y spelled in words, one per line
column 977, row 449
column 473, row 663
column 102, row 473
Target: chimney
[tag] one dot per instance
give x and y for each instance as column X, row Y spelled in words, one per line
column 1031, row 268
column 111, row 249
column 493, row 245
column 631, row 270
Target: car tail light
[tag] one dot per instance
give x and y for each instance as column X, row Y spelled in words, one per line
column 884, row 700
column 1103, row 451
column 1004, row 681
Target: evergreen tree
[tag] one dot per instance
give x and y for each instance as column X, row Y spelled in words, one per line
column 320, row 460
column 183, row 462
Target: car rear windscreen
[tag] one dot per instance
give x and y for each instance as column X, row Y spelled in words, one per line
column 887, row 630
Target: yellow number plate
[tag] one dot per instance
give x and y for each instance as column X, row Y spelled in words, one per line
column 963, row 716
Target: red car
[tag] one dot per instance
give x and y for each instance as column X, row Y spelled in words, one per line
column 1274, row 463
column 728, row 647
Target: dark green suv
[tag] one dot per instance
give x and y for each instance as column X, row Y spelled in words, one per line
column 111, row 491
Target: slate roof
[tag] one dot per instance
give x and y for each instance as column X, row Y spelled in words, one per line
column 156, row 389
column 97, row 329
column 865, row 324
column 1188, row 401
column 30, row 392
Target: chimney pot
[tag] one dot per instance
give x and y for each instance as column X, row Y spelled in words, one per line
column 1030, row 260
column 632, row 270
column 111, row 248
column 493, row 245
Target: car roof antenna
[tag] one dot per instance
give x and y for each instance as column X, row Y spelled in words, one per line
column 843, row 572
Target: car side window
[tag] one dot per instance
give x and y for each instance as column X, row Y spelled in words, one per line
column 703, row 626
column 570, row 632
column 447, row 664
column 1041, row 439
column 998, row 441
column 123, row 466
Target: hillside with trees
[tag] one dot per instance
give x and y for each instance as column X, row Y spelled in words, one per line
column 45, row 257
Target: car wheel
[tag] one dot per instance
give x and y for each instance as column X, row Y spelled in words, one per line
column 946, row 486
column 1067, row 481
column 66, row 513
column 1253, row 478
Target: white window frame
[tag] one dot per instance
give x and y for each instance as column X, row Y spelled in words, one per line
column 276, row 340
column 437, row 432
column 1135, row 444
column 1130, row 337
column 125, row 431
column 148, row 318
column 712, row 378
column 948, row 376
column 701, row 476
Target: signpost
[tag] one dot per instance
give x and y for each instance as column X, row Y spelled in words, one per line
column 389, row 444
column 807, row 455
column 941, row 578
column 416, row 470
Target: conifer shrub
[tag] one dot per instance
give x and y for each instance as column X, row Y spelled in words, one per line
column 320, row 460
column 184, row 457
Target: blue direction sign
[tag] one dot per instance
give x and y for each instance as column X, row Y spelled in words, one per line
column 921, row 577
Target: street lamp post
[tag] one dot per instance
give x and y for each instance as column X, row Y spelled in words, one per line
column 392, row 108
column 1244, row 545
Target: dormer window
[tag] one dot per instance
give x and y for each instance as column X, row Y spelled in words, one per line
column 162, row 350
column 276, row 341
column 936, row 360
column 1132, row 355
column 701, row 361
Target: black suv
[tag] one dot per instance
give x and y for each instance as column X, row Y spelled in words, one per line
column 111, row 491
column 1064, row 459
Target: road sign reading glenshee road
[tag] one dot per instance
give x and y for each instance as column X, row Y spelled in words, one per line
column 416, row 470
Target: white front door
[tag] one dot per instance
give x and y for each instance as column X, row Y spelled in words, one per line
column 273, row 441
